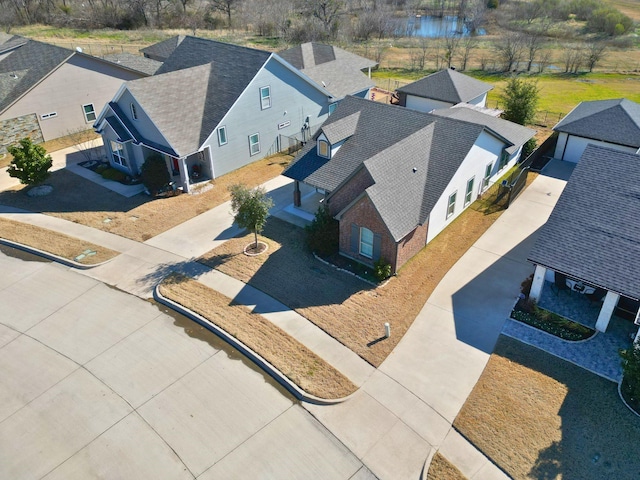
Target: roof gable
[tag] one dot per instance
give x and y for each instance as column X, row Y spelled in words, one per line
column 447, row 86
column 593, row 232
column 162, row 50
column 614, row 121
column 341, row 129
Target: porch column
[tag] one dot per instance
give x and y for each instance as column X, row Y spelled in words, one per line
column 609, row 304
column 369, row 72
column 637, row 321
column 184, row 175
column 538, row 282
column 296, row 194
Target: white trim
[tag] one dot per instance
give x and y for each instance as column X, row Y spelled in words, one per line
column 449, row 204
column 486, row 179
column 325, row 142
column 469, row 193
column 46, row 116
column 226, row 138
column 360, row 242
column 251, row 152
column 93, row 111
column 268, row 97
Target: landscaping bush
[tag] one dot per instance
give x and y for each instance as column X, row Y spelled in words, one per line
column 382, row 269
column 323, row 235
column 528, row 148
column 113, row 174
column 526, row 311
column 30, row 163
column 525, row 286
column 631, row 375
column 155, row 174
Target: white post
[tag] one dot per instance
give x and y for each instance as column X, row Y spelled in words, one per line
column 184, row 175
column 538, row 282
column 609, row 304
column 387, row 330
column 369, row 72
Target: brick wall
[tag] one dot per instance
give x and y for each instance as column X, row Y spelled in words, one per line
column 412, row 244
column 13, row 130
column 364, row 214
column 348, row 192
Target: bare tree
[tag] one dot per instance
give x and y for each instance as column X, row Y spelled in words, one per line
column 572, row 57
column 594, row 53
column 468, row 44
column 509, row 50
column 544, row 59
column 227, row 7
column 418, row 54
column 533, row 42
column 450, row 45
column 326, row 11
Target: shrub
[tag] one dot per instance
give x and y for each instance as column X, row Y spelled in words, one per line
column 382, row 269
column 525, row 286
column 155, row 174
column 631, row 372
column 30, row 163
column 528, row 148
column 323, row 235
column 113, row 174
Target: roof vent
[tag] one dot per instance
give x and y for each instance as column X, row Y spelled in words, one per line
column 13, row 75
column 415, row 169
column 78, row 49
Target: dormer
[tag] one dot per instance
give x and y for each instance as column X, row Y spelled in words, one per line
column 323, row 146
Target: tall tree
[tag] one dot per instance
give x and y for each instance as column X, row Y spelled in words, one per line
column 326, row 11
column 225, row 6
column 250, row 208
column 520, row 100
column 509, row 50
column 594, row 53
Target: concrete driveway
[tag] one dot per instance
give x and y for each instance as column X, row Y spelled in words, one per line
column 97, row 383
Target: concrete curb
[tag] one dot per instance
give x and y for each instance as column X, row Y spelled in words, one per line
column 624, row 401
column 282, row 379
column 51, row 256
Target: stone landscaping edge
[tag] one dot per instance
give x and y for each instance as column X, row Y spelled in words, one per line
column 282, row 379
column 51, row 256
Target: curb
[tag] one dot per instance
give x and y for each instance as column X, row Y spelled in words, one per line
column 51, row 256
column 624, row 401
column 277, row 375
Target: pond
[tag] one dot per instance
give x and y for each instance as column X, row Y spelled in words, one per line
column 434, row 27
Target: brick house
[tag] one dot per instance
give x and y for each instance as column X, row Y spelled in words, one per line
column 394, row 178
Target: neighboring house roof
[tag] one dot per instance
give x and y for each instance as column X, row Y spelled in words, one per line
column 593, row 233
column 335, row 69
column 447, row 86
column 134, row 62
column 164, row 49
column 9, row 42
column 390, row 142
column 27, row 66
column 237, row 65
column 614, row 121
column 515, row 134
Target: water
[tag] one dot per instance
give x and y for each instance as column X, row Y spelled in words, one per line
column 430, row 26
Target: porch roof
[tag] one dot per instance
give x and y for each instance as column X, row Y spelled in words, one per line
column 593, row 233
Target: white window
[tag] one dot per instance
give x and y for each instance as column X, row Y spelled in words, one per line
column 222, row 136
column 366, row 242
column 323, row 148
column 89, row 112
column 451, row 207
column 332, row 107
column 117, row 149
column 265, row 97
column 469, row 193
column 254, row 143
column 44, row 116
column 487, row 176
column 134, row 111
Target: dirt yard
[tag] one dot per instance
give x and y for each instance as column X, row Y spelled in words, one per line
column 441, row 469
column 346, row 308
column 537, row 416
column 294, row 360
column 138, row 218
column 53, row 242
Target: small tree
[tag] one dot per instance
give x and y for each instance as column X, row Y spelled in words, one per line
column 323, row 234
column 631, row 371
column 30, row 163
column 155, row 173
column 250, row 208
column 520, row 100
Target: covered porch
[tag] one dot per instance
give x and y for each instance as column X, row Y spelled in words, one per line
column 307, row 199
column 191, row 171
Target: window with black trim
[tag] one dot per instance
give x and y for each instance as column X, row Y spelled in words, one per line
column 89, row 112
column 451, row 206
column 254, row 143
column 222, row 136
column 265, row 97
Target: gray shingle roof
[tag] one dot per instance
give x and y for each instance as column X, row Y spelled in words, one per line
column 162, row 50
column 134, row 62
column 30, row 63
column 447, row 86
column 341, row 129
column 516, row 134
column 593, row 233
column 614, row 121
column 336, row 69
column 9, row 42
column 391, row 141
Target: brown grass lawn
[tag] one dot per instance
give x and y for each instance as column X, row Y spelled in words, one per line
column 138, row 218
column 540, row 417
column 442, row 469
column 53, row 242
column 297, row 362
column 346, row 308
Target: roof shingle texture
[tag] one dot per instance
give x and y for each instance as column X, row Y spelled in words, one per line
column 164, row 49
column 447, row 86
column 134, row 62
column 391, row 141
column 336, row 69
column 593, row 233
column 30, row 63
column 613, row 121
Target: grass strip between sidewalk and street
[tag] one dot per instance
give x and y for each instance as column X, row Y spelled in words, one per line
column 302, row 366
column 442, row 469
column 54, row 243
